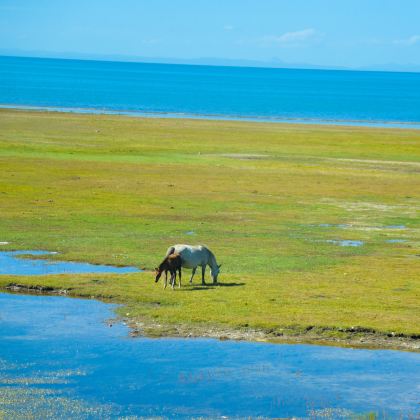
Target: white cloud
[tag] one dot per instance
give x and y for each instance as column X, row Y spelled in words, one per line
column 228, row 28
column 414, row 39
column 295, row 38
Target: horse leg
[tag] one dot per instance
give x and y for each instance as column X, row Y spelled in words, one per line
column 192, row 274
column 203, row 272
column 173, row 278
column 179, row 272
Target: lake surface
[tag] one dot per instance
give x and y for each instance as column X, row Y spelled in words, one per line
column 12, row 263
column 60, row 358
column 376, row 98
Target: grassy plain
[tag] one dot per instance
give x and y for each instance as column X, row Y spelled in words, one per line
column 266, row 198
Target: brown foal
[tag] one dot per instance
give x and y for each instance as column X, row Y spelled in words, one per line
column 171, row 263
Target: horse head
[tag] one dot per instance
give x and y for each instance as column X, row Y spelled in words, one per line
column 215, row 272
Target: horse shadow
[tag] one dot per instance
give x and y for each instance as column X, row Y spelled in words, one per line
column 232, row 284
column 210, row 286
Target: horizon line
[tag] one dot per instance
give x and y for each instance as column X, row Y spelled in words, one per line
column 196, row 62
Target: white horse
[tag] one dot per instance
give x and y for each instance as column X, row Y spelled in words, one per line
column 194, row 256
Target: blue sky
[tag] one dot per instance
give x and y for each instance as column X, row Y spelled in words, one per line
column 330, row 33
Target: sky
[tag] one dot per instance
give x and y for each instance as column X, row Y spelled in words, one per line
column 377, row 34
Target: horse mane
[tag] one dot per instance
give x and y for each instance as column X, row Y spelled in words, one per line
column 212, row 257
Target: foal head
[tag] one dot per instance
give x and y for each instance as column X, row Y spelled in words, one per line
column 158, row 273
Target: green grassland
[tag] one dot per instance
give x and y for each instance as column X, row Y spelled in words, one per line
column 120, row 190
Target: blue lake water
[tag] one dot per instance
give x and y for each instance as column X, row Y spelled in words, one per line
column 10, row 263
column 67, row 362
column 218, row 92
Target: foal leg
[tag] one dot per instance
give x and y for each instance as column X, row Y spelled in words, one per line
column 192, row 274
column 203, row 272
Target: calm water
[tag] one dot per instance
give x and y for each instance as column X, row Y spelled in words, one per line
column 58, row 358
column 221, row 92
column 10, row 263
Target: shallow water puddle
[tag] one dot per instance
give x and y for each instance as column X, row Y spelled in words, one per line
column 62, row 348
column 10, row 263
column 329, row 225
column 345, row 242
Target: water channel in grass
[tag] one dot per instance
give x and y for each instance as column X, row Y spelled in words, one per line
column 12, row 263
column 59, row 357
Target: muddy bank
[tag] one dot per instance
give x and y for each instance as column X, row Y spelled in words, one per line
column 353, row 337
column 358, row 337
column 35, row 289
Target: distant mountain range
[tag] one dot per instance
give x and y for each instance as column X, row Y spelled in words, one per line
column 211, row 61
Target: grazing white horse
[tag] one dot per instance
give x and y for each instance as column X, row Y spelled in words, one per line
column 194, row 256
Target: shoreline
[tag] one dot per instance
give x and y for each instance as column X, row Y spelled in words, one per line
column 354, row 337
column 218, row 117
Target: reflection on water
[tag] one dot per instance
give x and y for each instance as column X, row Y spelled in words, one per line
column 60, row 356
column 10, row 263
